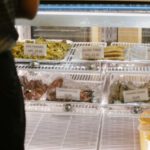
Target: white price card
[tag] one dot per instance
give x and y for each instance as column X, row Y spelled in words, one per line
column 31, row 49
column 136, row 95
column 92, row 53
column 64, row 93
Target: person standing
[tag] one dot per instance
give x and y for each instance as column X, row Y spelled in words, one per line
column 12, row 113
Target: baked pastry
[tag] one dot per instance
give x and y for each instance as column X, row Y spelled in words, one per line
column 51, row 91
column 33, row 89
column 114, row 53
column 85, row 95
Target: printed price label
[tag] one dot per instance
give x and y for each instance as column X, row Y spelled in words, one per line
column 31, row 49
column 93, row 53
column 136, row 95
column 63, row 93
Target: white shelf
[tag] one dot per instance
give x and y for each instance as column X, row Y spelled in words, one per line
column 108, row 130
column 119, row 131
column 53, row 132
column 88, row 19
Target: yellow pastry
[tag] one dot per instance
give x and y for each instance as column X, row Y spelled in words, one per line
column 144, row 130
column 144, row 137
column 145, row 118
column 114, row 53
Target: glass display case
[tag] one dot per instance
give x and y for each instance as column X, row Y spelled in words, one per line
column 93, row 98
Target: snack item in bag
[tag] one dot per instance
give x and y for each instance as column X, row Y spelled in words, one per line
column 144, row 130
column 33, row 88
column 114, row 53
column 121, row 84
column 86, row 95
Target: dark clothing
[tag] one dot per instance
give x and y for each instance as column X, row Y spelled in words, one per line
column 12, row 114
column 8, row 33
column 12, row 106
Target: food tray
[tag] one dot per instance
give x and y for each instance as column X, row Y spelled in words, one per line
column 22, row 60
column 48, row 131
column 119, row 130
column 120, row 82
column 88, row 84
column 75, row 51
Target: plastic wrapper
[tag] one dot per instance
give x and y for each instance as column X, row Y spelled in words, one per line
column 115, row 53
column 34, row 85
column 137, row 52
column 56, row 50
column 129, row 88
column 88, row 92
column 63, row 87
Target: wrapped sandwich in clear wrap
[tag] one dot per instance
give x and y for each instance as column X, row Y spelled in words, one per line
column 64, row 88
column 129, row 88
column 115, row 52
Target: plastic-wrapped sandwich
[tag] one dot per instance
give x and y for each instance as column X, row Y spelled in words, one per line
column 129, row 88
column 114, row 53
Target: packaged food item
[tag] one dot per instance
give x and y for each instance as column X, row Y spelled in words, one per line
column 33, row 86
column 34, row 90
column 145, row 137
column 129, row 88
column 144, row 130
column 38, row 85
column 65, row 88
column 68, row 92
column 55, row 50
column 137, row 52
column 51, row 91
column 145, row 118
column 114, row 53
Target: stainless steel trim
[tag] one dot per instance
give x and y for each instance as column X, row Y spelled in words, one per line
column 88, row 19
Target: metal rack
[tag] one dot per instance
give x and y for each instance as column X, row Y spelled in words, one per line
column 61, row 66
column 68, row 64
column 63, row 108
column 126, row 66
column 127, row 44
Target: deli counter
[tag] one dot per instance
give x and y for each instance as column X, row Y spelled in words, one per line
column 85, row 75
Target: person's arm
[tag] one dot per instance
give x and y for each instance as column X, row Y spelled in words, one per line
column 27, row 8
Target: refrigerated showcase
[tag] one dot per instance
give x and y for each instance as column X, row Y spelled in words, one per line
column 75, row 125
